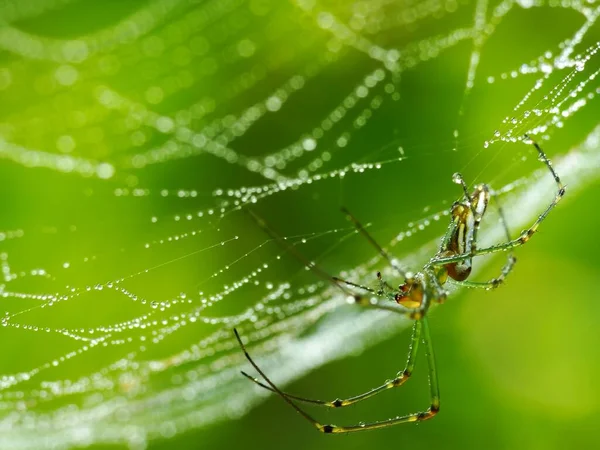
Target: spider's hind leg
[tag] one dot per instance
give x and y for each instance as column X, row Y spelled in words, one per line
column 414, row 417
column 429, row 413
column 400, row 378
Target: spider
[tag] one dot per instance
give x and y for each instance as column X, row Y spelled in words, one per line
column 413, row 298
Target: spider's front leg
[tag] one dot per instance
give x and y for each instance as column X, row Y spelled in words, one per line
column 510, row 244
column 459, row 245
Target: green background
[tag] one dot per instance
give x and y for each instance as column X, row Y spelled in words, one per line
column 517, row 366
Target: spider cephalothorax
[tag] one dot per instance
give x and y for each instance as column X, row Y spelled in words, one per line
column 411, row 293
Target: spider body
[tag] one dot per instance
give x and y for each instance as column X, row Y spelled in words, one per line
column 459, row 239
column 410, row 293
column 453, row 262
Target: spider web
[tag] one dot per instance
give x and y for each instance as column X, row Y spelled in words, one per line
column 129, row 151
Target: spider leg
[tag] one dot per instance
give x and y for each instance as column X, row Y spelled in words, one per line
column 299, row 256
column 383, row 283
column 494, row 282
column 430, row 412
column 506, row 246
column 525, row 234
column 414, row 313
column 373, row 242
column 457, row 178
column 478, row 213
column 275, row 388
column 483, row 191
column 400, row 378
column 350, row 283
column 414, row 417
column 439, row 293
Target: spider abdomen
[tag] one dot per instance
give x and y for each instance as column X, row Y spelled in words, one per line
column 459, row 271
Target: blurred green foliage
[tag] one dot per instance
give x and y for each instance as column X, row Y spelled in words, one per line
column 518, row 366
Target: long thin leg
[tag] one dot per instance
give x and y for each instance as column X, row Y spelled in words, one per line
column 383, row 285
column 415, row 417
column 430, row 412
column 478, row 211
column 275, row 388
column 481, row 191
column 494, row 282
column 350, row 283
column 439, row 293
column 373, row 242
column 414, row 313
column 511, row 260
column 299, row 256
column 400, row 378
column 506, row 246
column 525, row 234
column 458, row 179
